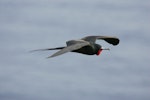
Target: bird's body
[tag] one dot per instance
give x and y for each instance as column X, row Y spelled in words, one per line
column 91, row 49
column 85, row 45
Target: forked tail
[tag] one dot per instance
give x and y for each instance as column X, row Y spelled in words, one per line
column 58, row 48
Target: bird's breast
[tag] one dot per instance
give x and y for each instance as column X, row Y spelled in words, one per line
column 89, row 50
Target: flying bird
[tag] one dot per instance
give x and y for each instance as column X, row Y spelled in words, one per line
column 85, row 45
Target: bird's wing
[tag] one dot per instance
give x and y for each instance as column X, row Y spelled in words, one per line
column 111, row 40
column 71, row 42
column 70, row 48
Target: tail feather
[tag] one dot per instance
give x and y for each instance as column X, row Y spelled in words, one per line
column 47, row 49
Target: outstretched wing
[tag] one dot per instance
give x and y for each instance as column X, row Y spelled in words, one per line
column 111, row 40
column 70, row 48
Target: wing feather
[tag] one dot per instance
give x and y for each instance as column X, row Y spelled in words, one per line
column 70, row 48
column 109, row 39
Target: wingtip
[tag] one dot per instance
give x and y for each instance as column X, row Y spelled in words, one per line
column 48, row 57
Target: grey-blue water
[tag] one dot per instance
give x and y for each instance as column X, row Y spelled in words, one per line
column 123, row 73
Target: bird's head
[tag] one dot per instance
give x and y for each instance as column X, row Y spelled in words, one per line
column 100, row 48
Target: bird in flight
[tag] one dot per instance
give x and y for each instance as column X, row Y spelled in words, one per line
column 85, row 45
